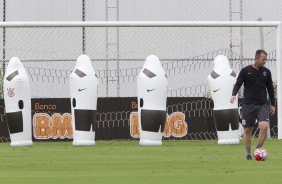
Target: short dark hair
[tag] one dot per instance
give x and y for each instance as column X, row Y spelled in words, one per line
column 259, row 52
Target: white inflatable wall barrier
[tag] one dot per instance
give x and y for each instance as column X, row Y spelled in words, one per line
column 83, row 90
column 17, row 103
column 221, row 81
column 152, row 95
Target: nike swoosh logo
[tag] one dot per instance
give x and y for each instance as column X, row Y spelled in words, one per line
column 249, row 73
column 82, row 89
column 149, row 90
column 216, row 90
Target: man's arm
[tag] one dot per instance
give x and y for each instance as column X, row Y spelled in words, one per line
column 238, row 83
column 270, row 90
column 237, row 86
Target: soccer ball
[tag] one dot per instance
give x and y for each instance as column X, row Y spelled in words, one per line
column 260, row 154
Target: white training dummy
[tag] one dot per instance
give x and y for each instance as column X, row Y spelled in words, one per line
column 152, row 95
column 83, row 90
column 17, row 103
column 221, row 81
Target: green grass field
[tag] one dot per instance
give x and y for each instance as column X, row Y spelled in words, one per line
column 127, row 162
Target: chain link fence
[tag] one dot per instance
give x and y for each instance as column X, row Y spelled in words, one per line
column 118, row 54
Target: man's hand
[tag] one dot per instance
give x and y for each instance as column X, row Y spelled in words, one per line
column 272, row 110
column 232, row 99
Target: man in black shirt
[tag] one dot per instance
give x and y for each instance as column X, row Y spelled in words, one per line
column 257, row 79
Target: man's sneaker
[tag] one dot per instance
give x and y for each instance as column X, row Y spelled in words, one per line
column 248, row 157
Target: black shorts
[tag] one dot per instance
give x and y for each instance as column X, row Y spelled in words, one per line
column 251, row 113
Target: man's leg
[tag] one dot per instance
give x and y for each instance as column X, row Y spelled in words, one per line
column 247, row 137
column 248, row 122
column 263, row 118
column 263, row 127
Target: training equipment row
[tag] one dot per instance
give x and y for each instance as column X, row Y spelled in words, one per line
column 152, row 84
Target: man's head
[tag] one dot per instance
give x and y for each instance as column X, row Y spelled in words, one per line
column 260, row 58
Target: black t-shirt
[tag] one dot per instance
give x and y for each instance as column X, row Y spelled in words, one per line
column 256, row 82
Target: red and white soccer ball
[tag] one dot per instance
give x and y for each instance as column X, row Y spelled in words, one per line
column 260, row 154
